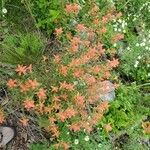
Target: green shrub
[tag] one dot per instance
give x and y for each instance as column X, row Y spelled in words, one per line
column 18, row 49
column 135, row 58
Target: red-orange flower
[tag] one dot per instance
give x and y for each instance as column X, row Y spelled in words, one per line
column 24, row 121
column 12, row 83
column 58, row 31
column 108, row 127
column 32, row 84
column 63, row 70
column 57, row 58
column 28, row 104
column 42, row 94
column 80, row 27
column 54, row 89
column 24, row 87
column 72, row 8
column 2, row 117
column 29, row 68
column 80, row 100
column 21, row 70
column 114, row 63
column 75, row 127
column 78, row 73
column 67, row 86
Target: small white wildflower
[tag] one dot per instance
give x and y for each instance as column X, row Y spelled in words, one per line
column 124, row 31
column 142, row 44
column 68, row 133
column 119, row 20
column 89, row 117
column 148, row 65
column 139, row 57
column 123, row 25
column 99, row 145
column 144, row 40
column 115, row 29
column 136, row 64
column 119, row 30
column 137, row 44
column 128, row 48
column 76, row 141
column 75, row 82
column 148, row 74
column 115, row 45
column 86, row 138
column 4, row 10
column 146, row 47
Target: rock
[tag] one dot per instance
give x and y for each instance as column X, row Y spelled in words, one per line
column 104, row 90
column 6, row 135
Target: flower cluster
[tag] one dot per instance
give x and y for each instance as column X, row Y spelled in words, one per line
column 120, row 25
column 63, row 102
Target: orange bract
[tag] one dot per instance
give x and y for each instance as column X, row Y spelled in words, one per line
column 57, row 58
column 80, row 100
column 63, row 70
column 24, row 121
column 80, row 27
column 58, row 31
column 41, row 94
column 24, row 87
column 67, row 86
column 72, row 8
column 21, row 70
column 75, row 127
column 28, row 104
column 12, row 83
column 114, row 63
column 2, row 117
column 32, row 84
column 54, row 89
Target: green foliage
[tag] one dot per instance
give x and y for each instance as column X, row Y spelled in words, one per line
column 21, row 49
column 46, row 13
column 40, row 146
column 127, row 109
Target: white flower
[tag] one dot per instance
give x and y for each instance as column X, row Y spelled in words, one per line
column 99, row 145
column 146, row 47
column 149, row 74
column 124, row 31
column 136, row 64
column 76, row 141
column 115, row 29
column 119, row 20
column 137, row 44
column 86, row 138
column 139, row 57
column 75, row 82
column 68, row 133
column 142, row 44
column 128, row 48
column 115, row 45
column 4, row 10
column 119, row 30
